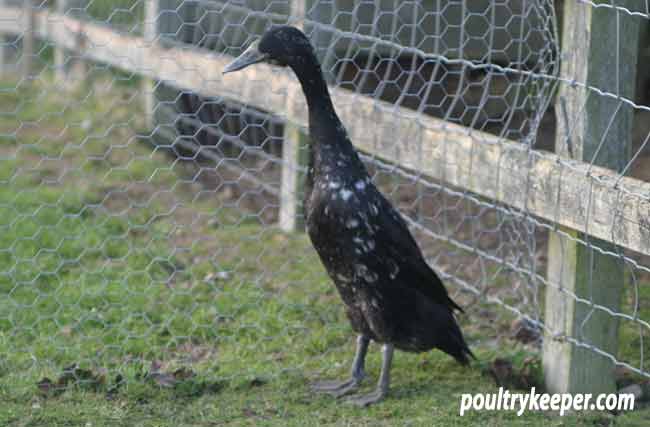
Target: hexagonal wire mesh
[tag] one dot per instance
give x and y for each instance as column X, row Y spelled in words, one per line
column 134, row 236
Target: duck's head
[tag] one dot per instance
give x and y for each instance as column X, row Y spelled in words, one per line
column 281, row 45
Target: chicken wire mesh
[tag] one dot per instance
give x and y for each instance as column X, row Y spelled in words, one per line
column 143, row 236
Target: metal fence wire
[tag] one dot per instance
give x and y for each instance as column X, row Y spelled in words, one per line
column 142, row 192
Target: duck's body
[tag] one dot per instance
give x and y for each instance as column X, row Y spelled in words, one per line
column 391, row 295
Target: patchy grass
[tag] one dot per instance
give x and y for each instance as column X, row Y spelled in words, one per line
column 125, row 15
column 130, row 295
column 634, row 346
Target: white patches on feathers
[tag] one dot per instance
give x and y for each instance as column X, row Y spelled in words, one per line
column 393, row 269
column 362, row 271
column 360, row 185
column 352, row 223
column 346, row 194
column 342, row 278
column 366, row 246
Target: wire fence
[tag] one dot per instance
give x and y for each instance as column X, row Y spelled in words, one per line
column 140, row 232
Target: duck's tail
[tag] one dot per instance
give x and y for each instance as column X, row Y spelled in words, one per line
column 453, row 343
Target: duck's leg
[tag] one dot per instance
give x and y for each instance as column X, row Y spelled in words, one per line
column 341, row 388
column 384, row 380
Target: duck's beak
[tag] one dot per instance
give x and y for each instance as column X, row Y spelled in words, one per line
column 249, row 57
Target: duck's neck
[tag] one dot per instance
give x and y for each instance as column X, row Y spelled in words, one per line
column 330, row 145
column 310, row 75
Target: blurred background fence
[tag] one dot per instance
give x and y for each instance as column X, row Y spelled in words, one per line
column 151, row 208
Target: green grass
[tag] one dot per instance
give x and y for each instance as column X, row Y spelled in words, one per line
column 112, row 258
column 126, row 15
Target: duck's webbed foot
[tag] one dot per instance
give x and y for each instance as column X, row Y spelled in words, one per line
column 382, row 386
column 367, row 399
column 336, row 388
column 341, row 388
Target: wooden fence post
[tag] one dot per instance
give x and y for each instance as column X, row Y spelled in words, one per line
column 150, row 33
column 294, row 155
column 294, row 160
column 69, row 69
column 59, row 51
column 599, row 49
column 29, row 21
column 3, row 47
